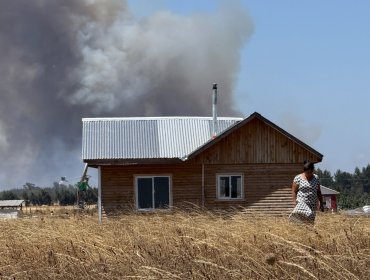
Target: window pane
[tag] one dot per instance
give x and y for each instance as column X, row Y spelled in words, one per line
column 224, row 187
column 236, row 187
column 161, row 192
column 145, row 193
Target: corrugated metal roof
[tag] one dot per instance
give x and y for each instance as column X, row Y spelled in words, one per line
column 147, row 138
column 325, row 190
column 11, row 203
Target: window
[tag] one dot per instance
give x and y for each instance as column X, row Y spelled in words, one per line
column 152, row 192
column 229, row 187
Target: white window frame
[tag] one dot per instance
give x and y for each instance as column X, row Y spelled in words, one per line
column 229, row 175
column 137, row 177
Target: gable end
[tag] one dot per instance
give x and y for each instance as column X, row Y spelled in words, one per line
column 255, row 140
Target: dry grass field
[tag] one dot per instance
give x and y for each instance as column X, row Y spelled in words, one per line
column 184, row 245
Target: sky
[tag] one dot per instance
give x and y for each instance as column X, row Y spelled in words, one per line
column 306, row 67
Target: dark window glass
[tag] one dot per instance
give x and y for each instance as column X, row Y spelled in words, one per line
column 161, row 192
column 224, row 186
column 236, row 190
column 145, row 193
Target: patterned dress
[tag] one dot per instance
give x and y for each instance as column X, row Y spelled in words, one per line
column 306, row 199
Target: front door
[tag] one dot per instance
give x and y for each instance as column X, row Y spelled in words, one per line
column 153, row 192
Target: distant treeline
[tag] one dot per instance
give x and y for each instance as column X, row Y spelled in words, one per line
column 354, row 187
column 62, row 195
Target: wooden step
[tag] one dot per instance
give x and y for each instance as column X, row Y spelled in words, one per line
column 265, row 213
column 269, row 198
column 269, row 193
column 271, row 207
column 273, row 201
column 262, row 191
column 267, row 209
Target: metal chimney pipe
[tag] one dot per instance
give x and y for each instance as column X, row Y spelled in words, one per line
column 214, row 111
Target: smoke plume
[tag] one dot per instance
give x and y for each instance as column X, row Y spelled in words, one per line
column 64, row 60
column 308, row 132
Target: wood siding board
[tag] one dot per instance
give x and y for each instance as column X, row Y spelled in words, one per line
column 264, row 185
column 274, row 184
column 253, row 122
column 255, row 142
column 118, row 185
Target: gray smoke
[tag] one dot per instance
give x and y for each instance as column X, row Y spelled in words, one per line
column 306, row 131
column 64, row 60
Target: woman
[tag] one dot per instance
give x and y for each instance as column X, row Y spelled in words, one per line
column 306, row 192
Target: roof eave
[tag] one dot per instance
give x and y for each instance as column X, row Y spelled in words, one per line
column 102, row 162
column 329, row 191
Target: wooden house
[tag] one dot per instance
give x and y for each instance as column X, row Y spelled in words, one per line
column 156, row 163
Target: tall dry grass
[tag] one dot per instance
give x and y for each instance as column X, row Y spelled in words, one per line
column 184, row 245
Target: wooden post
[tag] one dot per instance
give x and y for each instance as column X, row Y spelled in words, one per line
column 99, row 195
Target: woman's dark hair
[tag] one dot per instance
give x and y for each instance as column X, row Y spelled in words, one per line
column 307, row 165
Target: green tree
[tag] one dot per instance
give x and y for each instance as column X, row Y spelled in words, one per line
column 44, row 197
column 326, row 179
column 8, row 195
column 91, row 195
column 67, row 196
column 34, row 198
column 26, row 197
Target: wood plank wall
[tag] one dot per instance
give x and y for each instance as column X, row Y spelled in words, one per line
column 118, row 184
column 256, row 142
column 260, row 181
